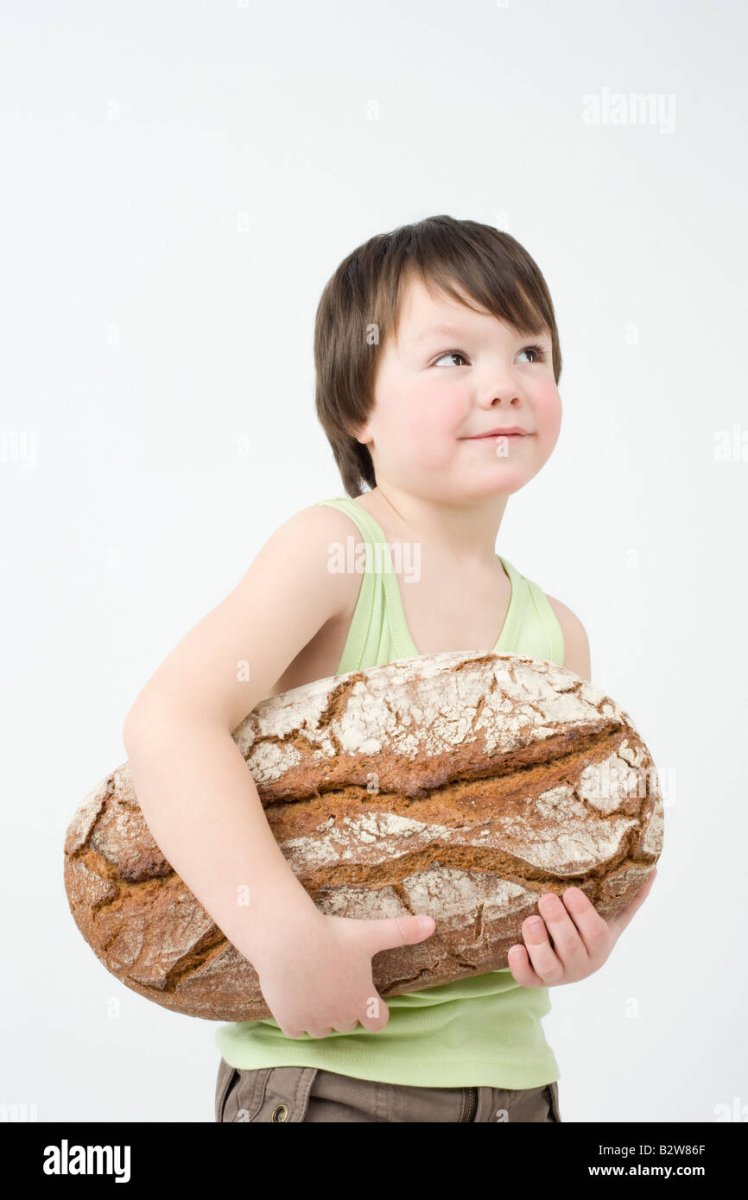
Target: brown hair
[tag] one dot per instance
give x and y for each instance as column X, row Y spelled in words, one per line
column 360, row 308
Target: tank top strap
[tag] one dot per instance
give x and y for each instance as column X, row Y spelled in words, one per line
column 535, row 630
column 378, row 632
column 368, row 527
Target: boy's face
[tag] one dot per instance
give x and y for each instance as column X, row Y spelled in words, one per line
column 429, row 404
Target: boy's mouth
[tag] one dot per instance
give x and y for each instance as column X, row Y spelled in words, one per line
column 513, row 433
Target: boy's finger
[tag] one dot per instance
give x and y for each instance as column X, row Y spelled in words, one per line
column 566, row 939
column 592, row 928
column 542, row 955
column 519, row 965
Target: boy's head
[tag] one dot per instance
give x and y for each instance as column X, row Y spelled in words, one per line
column 395, row 401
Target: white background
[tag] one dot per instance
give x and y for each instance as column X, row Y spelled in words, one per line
column 179, row 182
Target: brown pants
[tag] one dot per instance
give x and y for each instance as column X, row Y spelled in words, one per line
column 312, row 1094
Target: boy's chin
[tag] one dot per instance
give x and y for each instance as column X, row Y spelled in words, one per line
column 503, row 480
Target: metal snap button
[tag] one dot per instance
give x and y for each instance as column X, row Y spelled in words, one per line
column 280, row 1112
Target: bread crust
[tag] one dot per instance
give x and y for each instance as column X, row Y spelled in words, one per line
column 461, row 785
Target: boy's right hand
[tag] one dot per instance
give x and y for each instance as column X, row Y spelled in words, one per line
column 317, row 979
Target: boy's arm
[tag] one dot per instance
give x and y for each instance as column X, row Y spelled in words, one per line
column 192, row 783
column 576, row 643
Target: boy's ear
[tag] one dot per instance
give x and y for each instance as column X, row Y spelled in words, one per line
column 361, row 434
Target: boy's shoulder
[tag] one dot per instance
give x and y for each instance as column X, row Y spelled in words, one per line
column 576, row 642
column 318, row 520
column 310, row 539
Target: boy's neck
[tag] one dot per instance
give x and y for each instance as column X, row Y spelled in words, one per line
column 463, row 535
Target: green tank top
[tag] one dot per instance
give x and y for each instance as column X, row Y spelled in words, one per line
column 482, row 1031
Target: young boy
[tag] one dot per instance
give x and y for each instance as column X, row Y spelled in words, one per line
column 437, row 360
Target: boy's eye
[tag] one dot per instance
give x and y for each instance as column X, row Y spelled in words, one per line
column 450, row 354
column 538, row 351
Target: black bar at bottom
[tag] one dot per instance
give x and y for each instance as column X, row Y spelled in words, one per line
column 139, row 1156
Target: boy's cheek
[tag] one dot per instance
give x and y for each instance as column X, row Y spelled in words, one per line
column 428, row 435
column 548, row 407
column 548, row 422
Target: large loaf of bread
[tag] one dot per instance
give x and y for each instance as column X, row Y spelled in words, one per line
column 460, row 785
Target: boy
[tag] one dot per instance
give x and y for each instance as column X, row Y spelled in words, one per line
column 429, row 451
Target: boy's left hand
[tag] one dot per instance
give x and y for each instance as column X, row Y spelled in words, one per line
column 582, row 939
